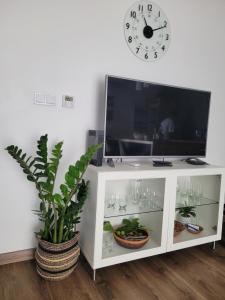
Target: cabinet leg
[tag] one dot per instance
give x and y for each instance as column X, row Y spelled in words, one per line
column 94, row 275
column 214, row 246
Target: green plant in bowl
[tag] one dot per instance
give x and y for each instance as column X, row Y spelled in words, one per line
column 186, row 212
column 130, row 234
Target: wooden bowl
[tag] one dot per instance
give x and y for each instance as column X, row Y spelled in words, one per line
column 195, row 232
column 131, row 244
column 178, row 228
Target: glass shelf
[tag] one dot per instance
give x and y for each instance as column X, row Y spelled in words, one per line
column 199, row 202
column 133, row 213
column 187, row 236
column 112, row 249
column 133, row 209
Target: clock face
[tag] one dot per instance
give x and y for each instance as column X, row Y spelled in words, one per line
column 147, row 30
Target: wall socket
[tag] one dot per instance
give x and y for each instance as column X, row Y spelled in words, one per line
column 67, row 101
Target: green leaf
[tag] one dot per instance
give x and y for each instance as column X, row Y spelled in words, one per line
column 64, row 190
column 23, row 156
column 26, row 171
column 39, row 166
column 108, row 226
column 58, row 199
column 30, row 178
column 46, row 186
column 69, row 180
column 31, row 163
column 40, row 174
column 73, row 171
column 19, row 152
column 38, row 159
column 52, row 168
column 126, row 221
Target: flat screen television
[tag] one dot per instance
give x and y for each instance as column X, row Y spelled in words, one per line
column 145, row 119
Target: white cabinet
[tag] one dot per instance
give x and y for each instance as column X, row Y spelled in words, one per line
column 154, row 195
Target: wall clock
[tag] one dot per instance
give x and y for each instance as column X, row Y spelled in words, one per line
column 147, row 30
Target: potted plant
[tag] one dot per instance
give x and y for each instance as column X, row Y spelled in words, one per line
column 58, row 251
column 130, row 234
column 185, row 213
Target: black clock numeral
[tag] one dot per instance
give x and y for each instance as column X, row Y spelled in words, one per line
column 130, row 39
column 137, row 49
column 155, row 55
column 149, row 7
column 146, row 56
column 127, row 25
column 165, row 23
column 163, row 47
column 133, row 14
column 159, row 14
column 140, row 7
column 167, row 37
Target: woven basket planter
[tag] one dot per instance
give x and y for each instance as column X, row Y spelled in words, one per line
column 57, row 261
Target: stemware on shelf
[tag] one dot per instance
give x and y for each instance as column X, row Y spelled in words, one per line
column 112, row 201
column 139, row 197
column 188, row 192
column 122, row 203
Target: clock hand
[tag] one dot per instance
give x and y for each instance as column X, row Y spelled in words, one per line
column 159, row 28
column 145, row 22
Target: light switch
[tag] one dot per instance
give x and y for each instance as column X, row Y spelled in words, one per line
column 44, row 99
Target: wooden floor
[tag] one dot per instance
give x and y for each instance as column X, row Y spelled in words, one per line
column 195, row 273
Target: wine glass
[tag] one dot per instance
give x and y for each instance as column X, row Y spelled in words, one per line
column 112, row 201
column 137, row 192
column 122, row 203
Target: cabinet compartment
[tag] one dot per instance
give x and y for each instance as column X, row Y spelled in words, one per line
column 152, row 221
column 133, row 198
column 202, row 193
column 129, row 197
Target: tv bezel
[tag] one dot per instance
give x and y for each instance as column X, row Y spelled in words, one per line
column 151, row 156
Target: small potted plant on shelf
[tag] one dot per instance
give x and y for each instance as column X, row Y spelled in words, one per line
column 130, row 234
column 58, row 251
column 185, row 213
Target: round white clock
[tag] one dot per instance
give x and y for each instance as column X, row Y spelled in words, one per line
column 147, row 30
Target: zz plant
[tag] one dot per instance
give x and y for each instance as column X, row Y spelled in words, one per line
column 60, row 211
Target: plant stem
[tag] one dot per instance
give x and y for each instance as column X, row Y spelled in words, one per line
column 61, row 226
column 72, row 192
column 55, row 224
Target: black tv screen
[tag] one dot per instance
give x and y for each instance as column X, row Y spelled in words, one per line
column 147, row 119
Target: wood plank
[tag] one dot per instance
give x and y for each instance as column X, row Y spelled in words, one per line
column 196, row 273
column 17, row 256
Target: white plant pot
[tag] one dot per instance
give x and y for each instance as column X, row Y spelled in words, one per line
column 184, row 220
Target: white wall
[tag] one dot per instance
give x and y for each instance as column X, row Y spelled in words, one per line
column 68, row 46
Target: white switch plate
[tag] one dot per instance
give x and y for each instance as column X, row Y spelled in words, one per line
column 67, row 101
column 44, row 99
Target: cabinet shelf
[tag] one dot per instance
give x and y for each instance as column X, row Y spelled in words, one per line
column 185, row 236
column 134, row 209
column 202, row 202
column 133, row 213
column 117, row 250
